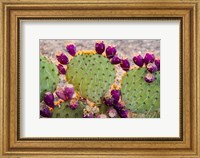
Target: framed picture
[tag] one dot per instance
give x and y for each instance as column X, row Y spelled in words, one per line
column 99, row 79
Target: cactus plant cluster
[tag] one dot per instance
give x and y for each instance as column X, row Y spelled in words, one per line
column 90, row 90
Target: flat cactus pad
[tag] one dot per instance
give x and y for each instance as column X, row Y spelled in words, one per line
column 138, row 95
column 48, row 76
column 64, row 111
column 91, row 74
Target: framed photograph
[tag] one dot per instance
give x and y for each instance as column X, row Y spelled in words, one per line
column 88, row 79
column 99, row 79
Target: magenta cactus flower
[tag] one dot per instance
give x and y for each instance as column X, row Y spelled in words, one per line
column 149, row 57
column 157, row 63
column 61, row 69
column 69, row 92
column 115, row 60
column 119, row 105
column 123, row 113
column 125, row 65
column 60, row 93
column 151, row 67
column 110, row 51
column 71, row 49
column 73, row 104
column 112, row 112
column 138, row 60
column 108, row 101
column 99, row 47
column 62, row 58
column 149, row 78
column 115, row 95
column 45, row 112
column 49, row 99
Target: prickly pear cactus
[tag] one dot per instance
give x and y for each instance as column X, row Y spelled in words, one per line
column 49, row 76
column 91, row 74
column 138, row 95
column 64, row 111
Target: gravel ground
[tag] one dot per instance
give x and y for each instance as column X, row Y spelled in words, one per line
column 125, row 49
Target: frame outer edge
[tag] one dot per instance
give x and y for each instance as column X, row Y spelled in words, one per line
column 10, row 50
column 196, row 44
column 1, row 79
column 194, row 57
column 198, row 75
column 97, row 1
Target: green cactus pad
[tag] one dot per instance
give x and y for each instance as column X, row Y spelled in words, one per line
column 64, row 111
column 138, row 95
column 91, row 74
column 49, row 76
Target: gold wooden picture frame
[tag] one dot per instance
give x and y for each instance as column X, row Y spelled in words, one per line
column 12, row 12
